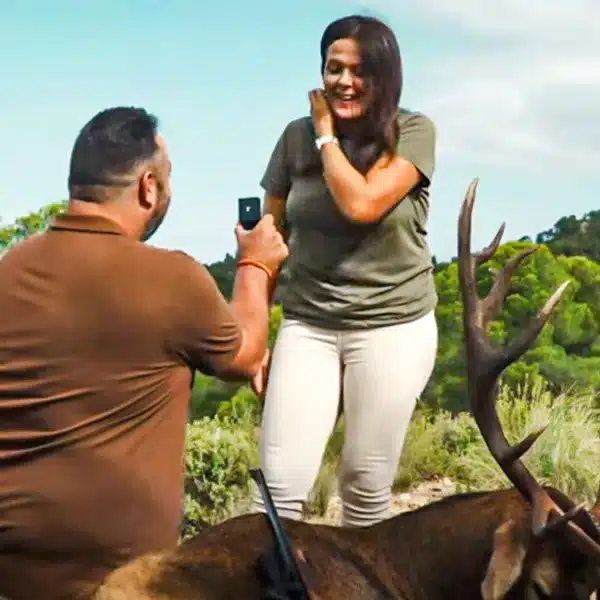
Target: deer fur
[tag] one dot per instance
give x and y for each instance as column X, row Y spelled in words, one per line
column 469, row 546
column 473, row 546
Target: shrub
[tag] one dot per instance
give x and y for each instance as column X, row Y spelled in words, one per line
column 438, row 444
column 432, row 444
column 208, row 393
column 219, row 454
column 565, row 456
column 244, row 406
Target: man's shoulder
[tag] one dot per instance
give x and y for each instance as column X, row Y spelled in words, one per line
column 172, row 278
column 22, row 248
column 166, row 254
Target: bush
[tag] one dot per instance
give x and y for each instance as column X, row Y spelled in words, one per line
column 208, row 393
column 219, row 454
column 244, row 406
column 433, row 442
column 438, row 444
column 565, row 456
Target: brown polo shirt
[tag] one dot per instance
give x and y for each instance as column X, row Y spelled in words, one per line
column 99, row 336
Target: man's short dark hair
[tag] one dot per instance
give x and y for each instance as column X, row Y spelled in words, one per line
column 109, row 147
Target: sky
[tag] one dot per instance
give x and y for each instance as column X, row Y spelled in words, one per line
column 513, row 88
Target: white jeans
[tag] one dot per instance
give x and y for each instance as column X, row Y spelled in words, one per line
column 379, row 373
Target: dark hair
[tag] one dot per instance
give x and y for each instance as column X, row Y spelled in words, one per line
column 382, row 67
column 108, row 147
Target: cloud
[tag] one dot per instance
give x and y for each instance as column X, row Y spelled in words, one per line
column 523, row 89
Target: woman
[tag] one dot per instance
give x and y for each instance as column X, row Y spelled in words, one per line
column 351, row 184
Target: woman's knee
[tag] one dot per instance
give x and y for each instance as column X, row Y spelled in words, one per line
column 289, row 486
column 388, row 370
column 291, row 466
column 366, row 494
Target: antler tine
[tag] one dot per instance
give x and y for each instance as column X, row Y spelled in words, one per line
column 490, row 250
column 466, row 262
column 485, row 364
column 530, row 333
column 492, row 304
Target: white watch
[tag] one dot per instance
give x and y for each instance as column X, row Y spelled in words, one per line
column 325, row 139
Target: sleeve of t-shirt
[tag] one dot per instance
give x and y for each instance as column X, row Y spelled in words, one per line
column 204, row 332
column 276, row 180
column 416, row 143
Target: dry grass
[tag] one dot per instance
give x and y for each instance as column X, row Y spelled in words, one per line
column 440, row 446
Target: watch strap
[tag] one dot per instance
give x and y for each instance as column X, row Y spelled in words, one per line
column 325, row 139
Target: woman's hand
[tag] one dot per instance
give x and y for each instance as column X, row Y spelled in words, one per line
column 320, row 112
column 259, row 381
column 307, row 575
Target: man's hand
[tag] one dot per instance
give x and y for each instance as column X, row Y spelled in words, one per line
column 263, row 244
column 259, row 381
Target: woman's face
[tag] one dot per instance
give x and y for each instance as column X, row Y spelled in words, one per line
column 345, row 87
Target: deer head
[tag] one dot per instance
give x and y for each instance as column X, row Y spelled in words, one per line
column 557, row 554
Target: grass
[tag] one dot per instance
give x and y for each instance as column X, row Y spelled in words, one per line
column 437, row 445
column 567, row 453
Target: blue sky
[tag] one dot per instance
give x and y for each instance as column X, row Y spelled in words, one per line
column 513, row 87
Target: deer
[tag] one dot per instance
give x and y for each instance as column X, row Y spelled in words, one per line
column 527, row 541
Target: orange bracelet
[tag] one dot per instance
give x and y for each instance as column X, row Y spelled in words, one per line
column 255, row 263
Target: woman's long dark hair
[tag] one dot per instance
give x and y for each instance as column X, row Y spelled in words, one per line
column 382, row 67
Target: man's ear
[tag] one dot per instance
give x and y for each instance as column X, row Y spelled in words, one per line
column 506, row 563
column 147, row 190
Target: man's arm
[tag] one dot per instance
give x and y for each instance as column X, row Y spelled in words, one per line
column 250, row 304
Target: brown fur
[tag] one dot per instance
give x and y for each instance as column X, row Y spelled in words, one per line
column 450, row 546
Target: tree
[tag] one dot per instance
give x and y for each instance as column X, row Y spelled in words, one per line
column 566, row 352
column 223, row 273
column 34, row 222
column 574, row 237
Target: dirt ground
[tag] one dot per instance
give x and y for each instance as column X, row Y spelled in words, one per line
column 422, row 494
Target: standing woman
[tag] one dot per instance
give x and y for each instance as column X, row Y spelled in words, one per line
column 351, row 185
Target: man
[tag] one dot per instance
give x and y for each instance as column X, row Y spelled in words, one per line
column 99, row 337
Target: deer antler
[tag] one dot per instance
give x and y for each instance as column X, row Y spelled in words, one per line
column 486, row 362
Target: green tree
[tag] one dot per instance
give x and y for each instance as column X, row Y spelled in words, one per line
column 34, row 222
column 223, row 273
column 574, row 237
column 565, row 352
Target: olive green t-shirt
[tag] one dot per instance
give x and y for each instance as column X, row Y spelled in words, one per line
column 344, row 275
